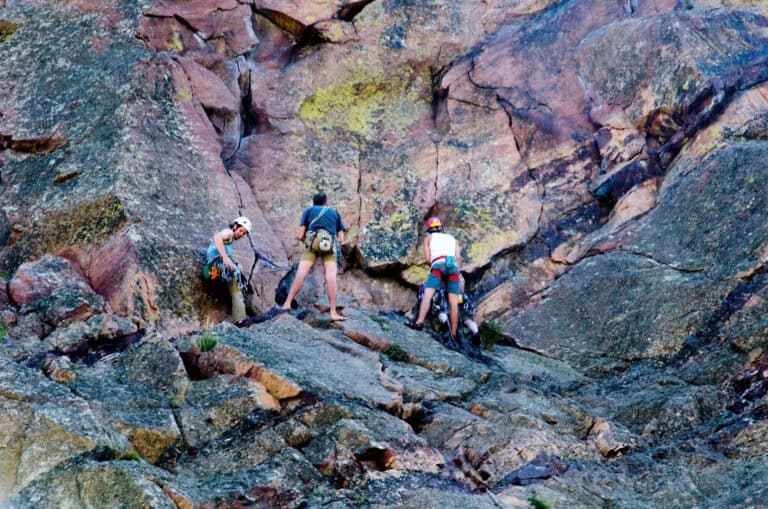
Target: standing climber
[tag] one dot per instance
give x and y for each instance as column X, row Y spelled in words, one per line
column 220, row 263
column 441, row 252
column 322, row 232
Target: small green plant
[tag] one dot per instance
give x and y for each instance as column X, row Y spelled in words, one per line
column 207, row 342
column 491, row 333
column 538, row 503
column 382, row 323
column 719, row 424
column 3, row 330
column 361, row 500
column 396, row 353
column 130, row 456
column 7, row 29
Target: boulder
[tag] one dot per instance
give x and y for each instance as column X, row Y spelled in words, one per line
column 37, row 280
column 97, row 331
column 211, row 407
column 222, row 26
column 24, row 338
column 134, row 392
column 282, row 346
column 44, row 426
column 579, row 318
column 92, row 483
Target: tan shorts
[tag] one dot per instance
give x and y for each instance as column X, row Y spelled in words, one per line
column 309, row 256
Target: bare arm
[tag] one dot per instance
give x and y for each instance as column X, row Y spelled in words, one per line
column 219, row 238
column 302, row 233
column 340, row 236
column 458, row 254
column 427, row 251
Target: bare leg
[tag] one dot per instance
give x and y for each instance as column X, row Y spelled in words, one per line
column 426, row 301
column 304, row 267
column 330, row 282
column 453, row 305
column 238, row 302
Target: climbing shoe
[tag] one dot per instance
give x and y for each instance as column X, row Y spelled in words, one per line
column 414, row 325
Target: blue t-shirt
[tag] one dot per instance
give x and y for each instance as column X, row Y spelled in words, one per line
column 330, row 220
column 213, row 253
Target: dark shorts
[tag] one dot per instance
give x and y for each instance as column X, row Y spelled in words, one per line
column 439, row 273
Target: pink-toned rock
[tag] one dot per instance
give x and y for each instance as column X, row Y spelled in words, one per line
column 658, row 69
column 373, row 293
column 516, row 292
column 742, row 118
column 56, row 289
column 547, row 115
column 636, row 202
column 639, row 200
column 36, row 280
column 294, row 15
column 233, row 72
column 221, row 106
column 208, row 88
column 336, row 31
column 283, row 179
column 224, row 26
column 114, row 273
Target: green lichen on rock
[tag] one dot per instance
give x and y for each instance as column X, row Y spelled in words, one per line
column 392, row 233
column 86, row 224
column 365, row 104
column 484, row 225
column 175, row 44
column 7, row 29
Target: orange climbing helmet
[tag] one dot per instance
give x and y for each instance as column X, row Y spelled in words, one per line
column 434, row 224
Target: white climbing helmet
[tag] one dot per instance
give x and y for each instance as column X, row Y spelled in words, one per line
column 244, row 222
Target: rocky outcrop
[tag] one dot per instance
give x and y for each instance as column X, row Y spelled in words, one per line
column 600, row 164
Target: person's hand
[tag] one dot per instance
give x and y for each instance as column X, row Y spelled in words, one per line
column 230, row 265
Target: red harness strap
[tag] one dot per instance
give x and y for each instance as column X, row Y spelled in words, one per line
column 436, row 259
column 438, row 273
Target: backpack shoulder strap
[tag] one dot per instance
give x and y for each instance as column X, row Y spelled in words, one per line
column 318, row 217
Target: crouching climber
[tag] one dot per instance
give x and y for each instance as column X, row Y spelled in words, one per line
column 221, row 265
column 441, row 252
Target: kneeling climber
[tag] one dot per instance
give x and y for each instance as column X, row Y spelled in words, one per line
column 220, row 263
column 441, row 252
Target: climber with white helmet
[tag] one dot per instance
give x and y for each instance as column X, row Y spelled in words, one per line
column 220, row 263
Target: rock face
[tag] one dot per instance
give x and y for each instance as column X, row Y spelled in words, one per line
column 601, row 164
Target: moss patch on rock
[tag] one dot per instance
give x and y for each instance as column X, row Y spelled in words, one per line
column 7, row 29
column 86, row 224
column 365, row 103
